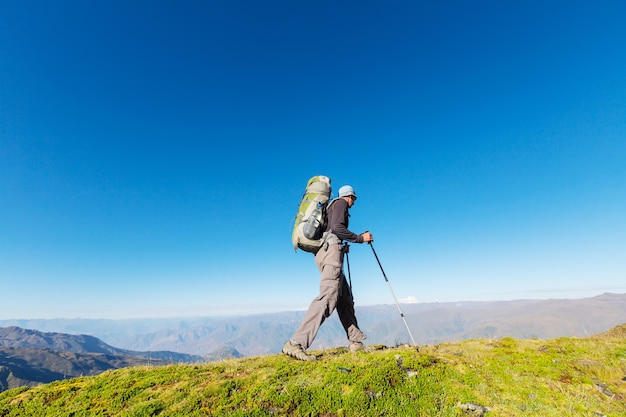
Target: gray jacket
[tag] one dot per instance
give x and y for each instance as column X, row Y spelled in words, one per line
column 338, row 219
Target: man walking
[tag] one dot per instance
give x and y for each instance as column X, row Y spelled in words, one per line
column 334, row 289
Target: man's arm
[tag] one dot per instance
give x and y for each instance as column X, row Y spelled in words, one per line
column 338, row 218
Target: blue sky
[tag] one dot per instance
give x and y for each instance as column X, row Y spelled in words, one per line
column 153, row 154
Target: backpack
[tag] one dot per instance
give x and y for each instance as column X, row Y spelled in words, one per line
column 310, row 222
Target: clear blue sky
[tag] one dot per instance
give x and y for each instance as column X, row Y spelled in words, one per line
column 153, row 154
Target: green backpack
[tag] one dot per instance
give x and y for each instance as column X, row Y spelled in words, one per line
column 308, row 228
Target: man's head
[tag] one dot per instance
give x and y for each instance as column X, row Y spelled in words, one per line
column 348, row 192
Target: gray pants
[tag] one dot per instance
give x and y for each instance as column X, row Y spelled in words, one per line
column 334, row 293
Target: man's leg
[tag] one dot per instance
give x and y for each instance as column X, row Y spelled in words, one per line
column 328, row 261
column 345, row 310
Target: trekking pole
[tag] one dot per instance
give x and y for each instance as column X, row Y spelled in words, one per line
column 393, row 295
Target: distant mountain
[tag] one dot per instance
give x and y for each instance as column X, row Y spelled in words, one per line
column 30, row 357
column 525, row 319
column 33, row 366
column 17, row 337
column 223, row 353
column 430, row 323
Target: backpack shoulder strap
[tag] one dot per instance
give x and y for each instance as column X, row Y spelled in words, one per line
column 331, row 202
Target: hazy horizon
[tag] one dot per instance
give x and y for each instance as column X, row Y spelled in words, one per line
column 278, row 310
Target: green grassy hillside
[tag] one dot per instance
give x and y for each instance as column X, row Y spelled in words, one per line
column 500, row 377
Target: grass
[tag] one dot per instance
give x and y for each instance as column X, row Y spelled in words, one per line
column 503, row 377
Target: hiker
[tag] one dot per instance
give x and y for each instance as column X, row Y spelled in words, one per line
column 334, row 289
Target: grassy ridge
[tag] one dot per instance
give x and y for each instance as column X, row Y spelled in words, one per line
column 504, row 377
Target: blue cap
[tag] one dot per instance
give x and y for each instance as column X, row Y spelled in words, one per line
column 346, row 190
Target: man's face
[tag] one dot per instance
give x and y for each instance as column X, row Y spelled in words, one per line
column 351, row 200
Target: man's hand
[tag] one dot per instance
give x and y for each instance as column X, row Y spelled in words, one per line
column 367, row 237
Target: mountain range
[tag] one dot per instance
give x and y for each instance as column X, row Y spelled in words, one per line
column 31, row 357
column 430, row 323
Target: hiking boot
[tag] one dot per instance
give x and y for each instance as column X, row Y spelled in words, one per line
column 296, row 351
column 356, row 346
